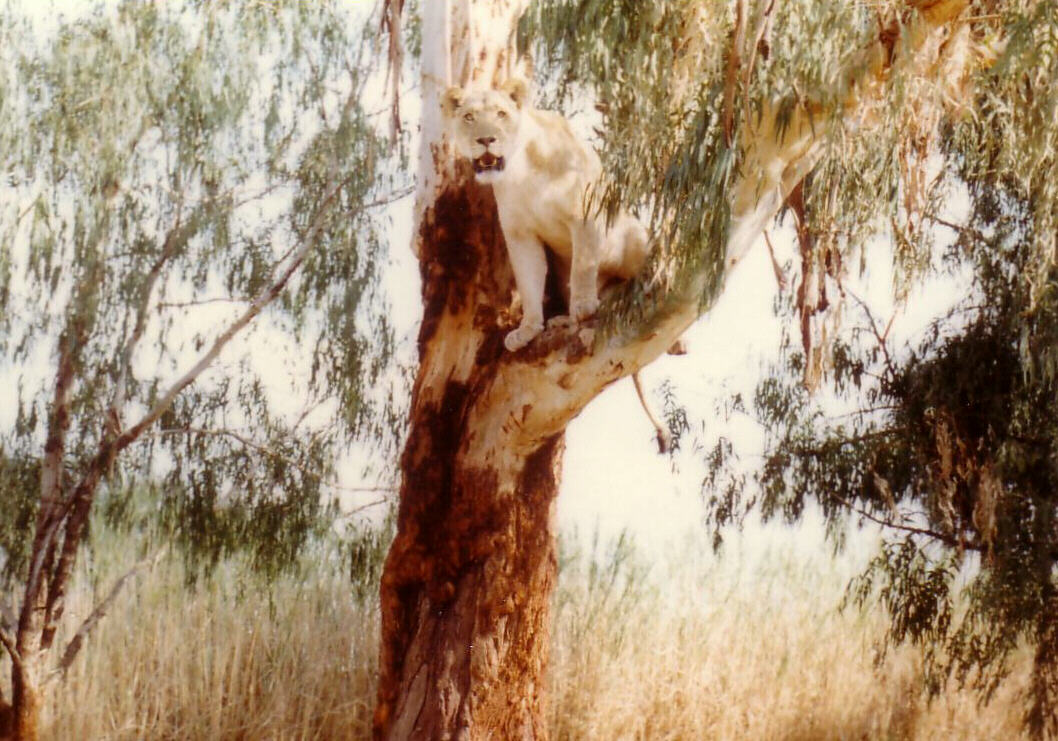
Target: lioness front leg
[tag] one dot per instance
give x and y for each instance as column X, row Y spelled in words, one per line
column 529, row 264
column 584, row 271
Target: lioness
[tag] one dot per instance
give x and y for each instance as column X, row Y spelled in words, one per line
column 540, row 173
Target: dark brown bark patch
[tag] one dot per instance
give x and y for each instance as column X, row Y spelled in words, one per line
column 464, row 262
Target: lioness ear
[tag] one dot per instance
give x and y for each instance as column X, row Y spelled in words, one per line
column 452, row 99
column 518, row 89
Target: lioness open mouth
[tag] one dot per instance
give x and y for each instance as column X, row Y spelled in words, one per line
column 488, row 162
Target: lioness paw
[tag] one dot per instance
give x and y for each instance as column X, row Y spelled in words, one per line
column 584, row 308
column 521, row 337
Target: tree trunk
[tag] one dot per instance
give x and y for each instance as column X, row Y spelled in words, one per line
column 466, row 587
column 26, row 708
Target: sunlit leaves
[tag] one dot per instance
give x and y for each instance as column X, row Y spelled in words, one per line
column 171, row 158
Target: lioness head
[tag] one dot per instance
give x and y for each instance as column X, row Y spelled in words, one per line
column 484, row 124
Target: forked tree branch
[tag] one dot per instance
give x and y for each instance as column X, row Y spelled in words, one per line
column 263, row 299
column 8, row 642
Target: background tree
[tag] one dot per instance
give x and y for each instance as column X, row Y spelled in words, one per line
column 713, row 117
column 171, row 173
column 952, row 444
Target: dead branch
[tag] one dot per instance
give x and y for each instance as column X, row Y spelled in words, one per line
column 780, row 276
column 662, row 435
column 75, row 644
column 760, row 46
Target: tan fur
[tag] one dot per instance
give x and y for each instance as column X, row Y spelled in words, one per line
column 541, row 174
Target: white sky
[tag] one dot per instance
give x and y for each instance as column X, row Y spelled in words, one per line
column 613, row 477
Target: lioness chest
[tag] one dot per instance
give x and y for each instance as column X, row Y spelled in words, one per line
column 543, row 191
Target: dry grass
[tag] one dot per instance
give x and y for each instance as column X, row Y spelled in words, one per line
column 736, row 648
column 757, row 652
column 225, row 660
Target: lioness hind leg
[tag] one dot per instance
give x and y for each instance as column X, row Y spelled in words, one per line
column 584, row 271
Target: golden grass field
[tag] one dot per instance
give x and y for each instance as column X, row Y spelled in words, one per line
column 707, row 648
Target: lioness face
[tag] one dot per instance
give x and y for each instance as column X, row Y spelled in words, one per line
column 484, row 125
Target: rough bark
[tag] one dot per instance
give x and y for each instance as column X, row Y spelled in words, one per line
column 466, row 587
column 26, row 707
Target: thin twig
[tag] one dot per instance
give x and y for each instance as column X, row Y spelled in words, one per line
column 100, row 610
column 272, row 453
column 946, row 539
column 362, row 507
column 201, row 302
column 780, row 276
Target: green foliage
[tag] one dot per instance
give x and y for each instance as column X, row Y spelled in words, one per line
column 658, row 74
column 169, row 160
column 953, row 444
column 19, row 481
column 663, row 153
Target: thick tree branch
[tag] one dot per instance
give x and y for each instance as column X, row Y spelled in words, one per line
column 52, row 505
column 175, row 240
column 543, row 386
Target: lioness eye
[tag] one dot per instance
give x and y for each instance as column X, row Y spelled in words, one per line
column 469, row 118
column 501, row 114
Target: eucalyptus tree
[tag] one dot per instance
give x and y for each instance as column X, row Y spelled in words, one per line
column 713, row 115
column 952, row 446
column 177, row 176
